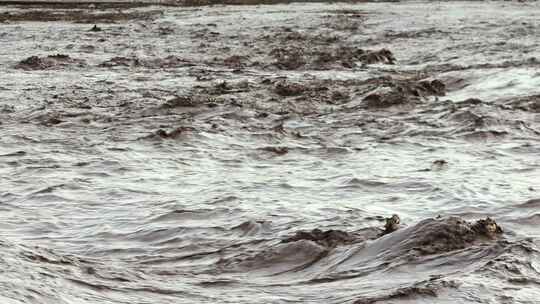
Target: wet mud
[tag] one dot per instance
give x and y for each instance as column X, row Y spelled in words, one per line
column 50, row 62
column 292, row 153
column 72, row 14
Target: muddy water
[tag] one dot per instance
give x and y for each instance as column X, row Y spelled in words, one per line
column 186, row 155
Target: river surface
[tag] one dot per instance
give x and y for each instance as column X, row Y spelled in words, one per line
column 185, row 155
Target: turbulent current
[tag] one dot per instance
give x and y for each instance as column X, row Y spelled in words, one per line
column 257, row 154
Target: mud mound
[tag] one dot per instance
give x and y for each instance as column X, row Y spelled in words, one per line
column 154, row 63
column 276, row 150
column 428, row 288
column 236, row 61
column 79, row 5
column 392, row 224
column 76, row 15
column 391, row 93
column 182, row 101
column 49, row 62
column 487, row 228
column 434, row 236
column 289, row 89
column 380, row 56
column 281, row 258
column 173, row 134
column 327, row 57
column 306, row 248
column 428, row 237
column 322, row 51
column 329, row 238
column 121, row 62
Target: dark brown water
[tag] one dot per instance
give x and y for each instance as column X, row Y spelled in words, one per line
column 175, row 155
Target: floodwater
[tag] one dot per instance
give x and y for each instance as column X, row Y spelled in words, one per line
column 186, row 155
